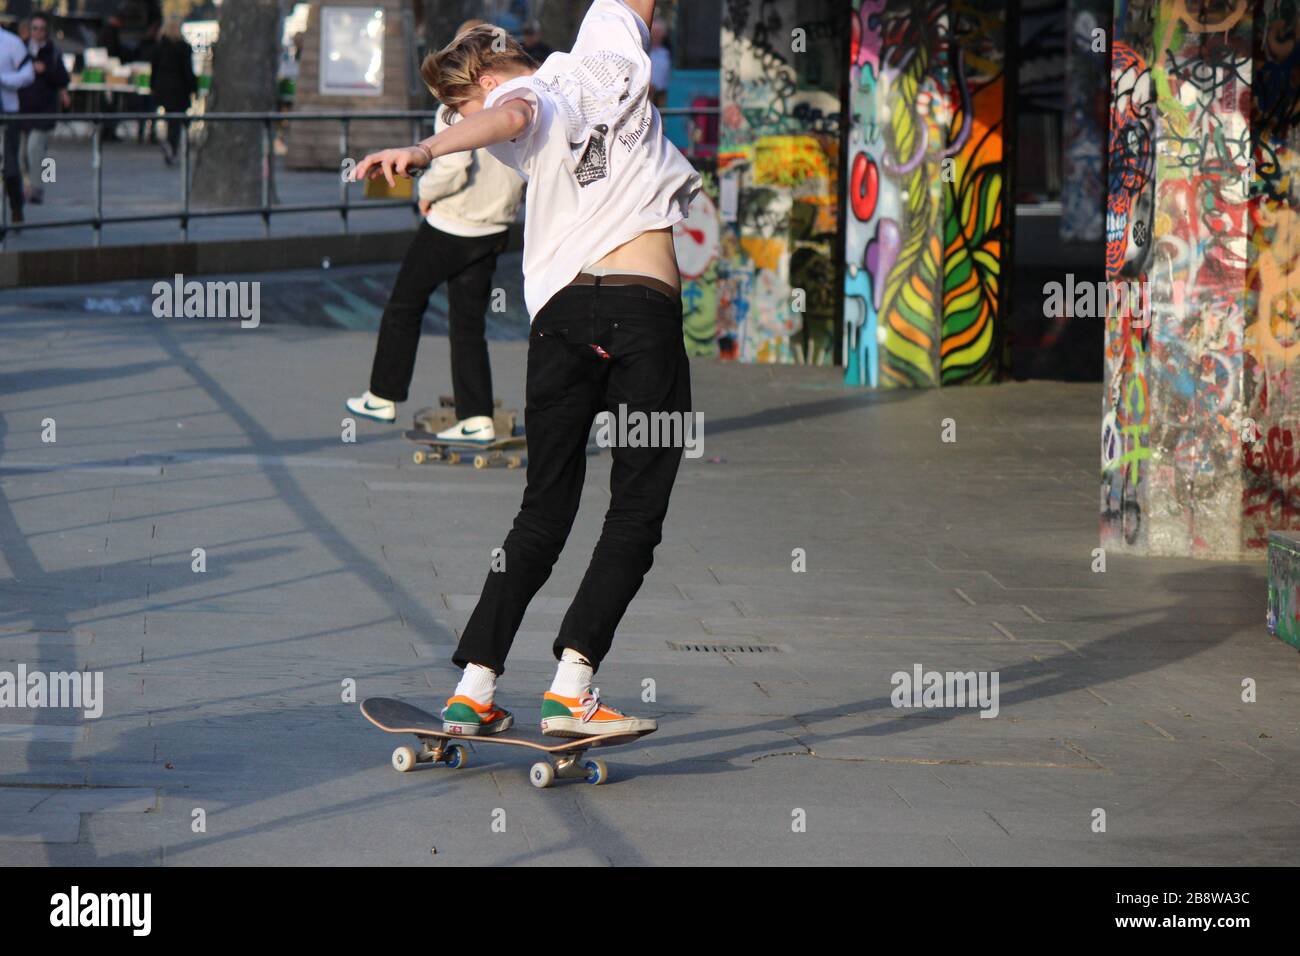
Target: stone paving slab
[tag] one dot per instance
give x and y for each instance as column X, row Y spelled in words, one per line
column 337, row 567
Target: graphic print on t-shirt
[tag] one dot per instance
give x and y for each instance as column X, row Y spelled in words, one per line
column 601, row 88
column 594, row 164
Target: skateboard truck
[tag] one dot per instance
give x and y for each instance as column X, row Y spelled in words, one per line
column 541, row 775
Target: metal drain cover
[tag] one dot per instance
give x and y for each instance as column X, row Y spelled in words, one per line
column 709, row 647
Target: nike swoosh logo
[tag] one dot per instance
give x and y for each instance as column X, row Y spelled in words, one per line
column 470, row 431
column 373, row 408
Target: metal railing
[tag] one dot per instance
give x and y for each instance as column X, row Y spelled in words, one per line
column 420, row 120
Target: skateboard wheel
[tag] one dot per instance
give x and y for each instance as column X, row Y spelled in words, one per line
column 480, row 462
column 597, row 772
column 542, row 775
column 453, row 458
column 513, row 461
column 419, row 458
column 403, row 759
column 457, row 756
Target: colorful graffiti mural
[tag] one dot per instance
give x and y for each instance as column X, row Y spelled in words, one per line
column 697, row 243
column 1270, row 494
column 926, row 233
column 778, row 174
column 1284, row 587
column 1177, row 219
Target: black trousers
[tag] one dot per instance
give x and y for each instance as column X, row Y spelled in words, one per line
column 466, row 265
column 569, row 382
column 13, row 174
column 173, row 129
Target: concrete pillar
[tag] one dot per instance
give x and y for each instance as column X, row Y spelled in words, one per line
column 316, row 145
column 1195, row 378
column 778, row 180
column 928, row 228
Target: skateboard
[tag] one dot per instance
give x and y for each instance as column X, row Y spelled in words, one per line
column 564, row 760
column 509, row 450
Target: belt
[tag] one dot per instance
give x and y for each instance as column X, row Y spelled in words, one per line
column 586, row 278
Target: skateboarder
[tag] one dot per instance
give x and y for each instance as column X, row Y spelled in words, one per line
column 468, row 200
column 604, row 293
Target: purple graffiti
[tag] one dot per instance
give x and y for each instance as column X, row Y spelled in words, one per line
column 881, row 253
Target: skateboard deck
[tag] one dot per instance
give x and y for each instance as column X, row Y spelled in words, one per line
column 509, row 450
column 565, row 759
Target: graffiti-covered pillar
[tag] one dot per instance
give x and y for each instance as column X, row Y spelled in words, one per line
column 778, row 180
column 929, row 216
column 1195, row 440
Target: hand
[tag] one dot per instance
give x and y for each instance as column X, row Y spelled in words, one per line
column 390, row 161
column 38, row 66
column 424, row 207
column 66, row 98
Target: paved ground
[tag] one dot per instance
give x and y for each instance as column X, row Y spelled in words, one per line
column 330, row 562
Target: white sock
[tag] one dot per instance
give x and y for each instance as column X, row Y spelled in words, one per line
column 478, row 683
column 573, row 675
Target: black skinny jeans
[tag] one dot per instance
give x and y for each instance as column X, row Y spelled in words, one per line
column 466, row 264
column 568, row 384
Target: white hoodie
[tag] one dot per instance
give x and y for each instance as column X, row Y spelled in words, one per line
column 471, row 192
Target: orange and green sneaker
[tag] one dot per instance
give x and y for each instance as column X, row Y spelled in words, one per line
column 466, row 717
column 586, row 716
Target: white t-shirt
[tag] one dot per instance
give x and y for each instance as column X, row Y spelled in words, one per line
column 599, row 170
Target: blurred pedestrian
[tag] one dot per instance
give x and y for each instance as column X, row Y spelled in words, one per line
column 468, row 201
column 110, row 38
column 16, row 72
column 48, row 90
column 145, row 101
column 172, row 79
column 533, row 43
column 661, row 62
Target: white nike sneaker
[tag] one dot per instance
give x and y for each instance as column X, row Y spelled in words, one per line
column 477, row 430
column 371, row 406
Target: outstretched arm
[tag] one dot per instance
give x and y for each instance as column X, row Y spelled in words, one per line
column 497, row 124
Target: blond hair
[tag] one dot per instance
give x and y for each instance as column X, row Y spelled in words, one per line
column 452, row 74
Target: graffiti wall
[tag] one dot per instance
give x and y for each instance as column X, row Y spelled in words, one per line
column 1179, row 179
column 778, row 180
column 1271, row 365
column 926, row 233
column 1083, row 139
column 1284, row 587
column 696, row 242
